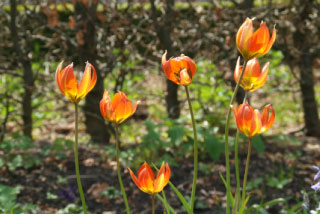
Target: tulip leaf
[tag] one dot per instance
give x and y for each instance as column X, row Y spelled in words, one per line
column 225, row 184
column 182, row 199
column 164, row 201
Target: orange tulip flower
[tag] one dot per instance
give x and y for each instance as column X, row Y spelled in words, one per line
column 146, row 181
column 68, row 83
column 117, row 110
column 254, row 44
column 179, row 70
column 253, row 77
column 250, row 122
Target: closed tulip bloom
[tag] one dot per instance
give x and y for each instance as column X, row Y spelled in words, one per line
column 117, row 110
column 250, row 122
column 179, row 70
column 68, row 83
column 146, row 181
column 253, row 77
column 255, row 44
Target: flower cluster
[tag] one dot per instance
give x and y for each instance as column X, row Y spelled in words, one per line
column 181, row 70
column 251, row 45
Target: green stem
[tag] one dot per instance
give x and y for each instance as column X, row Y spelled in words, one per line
column 195, row 152
column 76, row 162
column 119, row 172
column 236, row 159
column 226, row 137
column 246, row 171
column 153, row 209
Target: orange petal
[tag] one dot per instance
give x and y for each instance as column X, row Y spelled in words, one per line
column 162, row 178
column 243, row 34
column 235, row 111
column 58, row 76
column 255, row 124
column 134, row 178
column 266, row 119
column 237, row 71
column 185, row 78
column 124, row 108
column 164, row 58
column 263, row 77
column 166, row 66
column 146, row 178
column 106, row 107
column 69, row 83
column 192, row 66
column 168, row 174
column 251, row 74
column 259, row 40
column 84, row 86
column 134, row 108
column 271, row 41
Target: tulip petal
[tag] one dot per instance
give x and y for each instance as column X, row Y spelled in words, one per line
column 134, row 108
column 271, row 42
column 159, row 181
column 237, row 71
column 263, row 77
column 243, row 34
column 69, row 84
column 185, row 78
column 146, row 178
column 84, row 85
column 266, row 119
column 255, row 124
column 58, row 76
column 123, row 107
column 259, row 40
column 134, row 178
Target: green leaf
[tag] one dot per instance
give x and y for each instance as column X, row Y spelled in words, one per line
column 258, row 144
column 15, row 163
column 225, row 184
column 182, row 199
column 176, row 134
column 1, row 162
column 163, row 201
column 214, row 147
column 180, row 196
column 51, row 196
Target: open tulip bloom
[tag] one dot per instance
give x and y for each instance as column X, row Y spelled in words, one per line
column 68, row 83
column 70, row 88
column 117, row 110
column 255, row 44
column 253, row 77
column 250, row 122
column 179, row 70
column 146, row 181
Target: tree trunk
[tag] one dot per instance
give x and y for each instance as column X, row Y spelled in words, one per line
column 303, row 42
column 163, row 32
column 85, row 22
column 309, row 103
column 246, row 4
column 28, row 79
